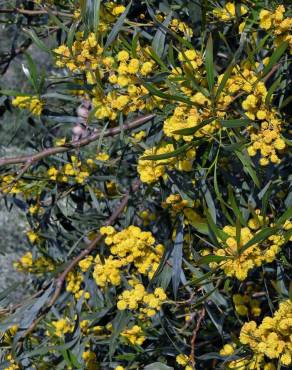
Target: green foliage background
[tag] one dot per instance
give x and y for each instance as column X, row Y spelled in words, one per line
column 226, row 185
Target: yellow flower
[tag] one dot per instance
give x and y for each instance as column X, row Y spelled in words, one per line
column 62, row 327
column 86, row 263
column 60, row 142
column 52, row 173
column 182, row 359
column 227, row 350
column 139, row 135
column 146, row 68
column 134, row 335
column 265, row 19
column 123, row 56
column 118, row 9
column 32, row 236
column 102, row 156
column 151, row 170
column 272, row 337
column 32, row 103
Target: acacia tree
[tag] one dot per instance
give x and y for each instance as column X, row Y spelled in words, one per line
column 155, row 185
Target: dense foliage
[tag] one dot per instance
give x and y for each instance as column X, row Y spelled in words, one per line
column 156, row 185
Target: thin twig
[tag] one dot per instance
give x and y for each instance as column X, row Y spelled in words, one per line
column 30, row 159
column 77, row 143
column 34, row 12
column 195, row 332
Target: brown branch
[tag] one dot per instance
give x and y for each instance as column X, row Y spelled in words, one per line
column 62, row 277
column 34, row 12
column 195, row 333
column 77, row 143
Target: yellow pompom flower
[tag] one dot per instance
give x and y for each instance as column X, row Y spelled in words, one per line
column 272, row 337
column 31, row 103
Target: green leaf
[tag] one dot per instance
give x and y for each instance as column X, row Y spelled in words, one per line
column 71, row 359
column 119, row 323
column 224, row 80
column 158, row 366
column 117, row 26
column 153, row 90
column 211, row 211
column 5, row 293
column 212, row 258
column 220, row 234
column 157, row 157
column 231, row 123
column 272, row 89
column 71, row 34
column 259, row 237
column 177, row 254
column 56, row 20
column 159, row 37
column 61, row 97
column 96, row 12
column 275, row 57
column 248, row 167
column 209, row 64
column 13, row 93
column 191, row 130
column 234, row 206
column 285, row 216
column 39, row 43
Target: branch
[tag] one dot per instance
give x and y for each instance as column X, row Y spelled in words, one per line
column 195, row 332
column 75, row 144
column 34, row 12
column 62, row 277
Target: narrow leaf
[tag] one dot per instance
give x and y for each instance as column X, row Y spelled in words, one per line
column 209, row 63
column 117, row 26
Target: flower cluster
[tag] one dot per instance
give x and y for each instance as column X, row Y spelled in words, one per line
column 74, row 171
column 90, row 360
column 152, row 170
column 123, row 72
column 228, row 12
column 36, row 266
column 61, row 327
column 184, row 360
column 129, row 246
column 147, row 216
column 267, row 139
column 74, row 281
column 272, row 337
column 239, row 259
column 177, row 205
column 84, row 55
column 280, row 25
column 12, row 363
column 245, row 305
column 31, row 103
column 137, row 299
column 134, row 335
column 176, row 25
